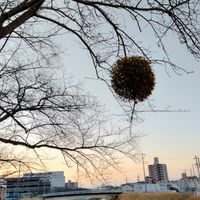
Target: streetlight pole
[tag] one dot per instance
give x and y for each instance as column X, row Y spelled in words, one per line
column 144, row 172
column 197, row 165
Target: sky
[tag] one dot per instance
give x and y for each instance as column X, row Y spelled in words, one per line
column 172, row 136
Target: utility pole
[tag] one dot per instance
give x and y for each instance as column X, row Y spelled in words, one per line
column 193, row 170
column 197, row 164
column 144, row 172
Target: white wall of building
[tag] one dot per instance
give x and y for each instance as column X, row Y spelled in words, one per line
column 141, row 187
column 57, row 178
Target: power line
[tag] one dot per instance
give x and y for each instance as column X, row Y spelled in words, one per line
column 168, row 158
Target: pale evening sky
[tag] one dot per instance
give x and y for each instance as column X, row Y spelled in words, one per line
column 172, row 136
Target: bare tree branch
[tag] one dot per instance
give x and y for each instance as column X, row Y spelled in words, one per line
column 38, row 112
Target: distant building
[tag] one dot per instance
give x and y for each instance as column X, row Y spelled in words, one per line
column 71, row 185
column 55, row 178
column 158, row 172
column 32, row 184
column 185, row 177
column 143, row 187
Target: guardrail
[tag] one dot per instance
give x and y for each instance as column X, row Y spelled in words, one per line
column 83, row 192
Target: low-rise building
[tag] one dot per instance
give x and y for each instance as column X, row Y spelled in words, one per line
column 70, row 185
column 144, row 187
column 56, row 179
column 32, row 184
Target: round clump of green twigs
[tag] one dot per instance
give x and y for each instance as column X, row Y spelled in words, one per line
column 132, row 78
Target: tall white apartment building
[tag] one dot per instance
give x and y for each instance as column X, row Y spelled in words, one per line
column 157, row 171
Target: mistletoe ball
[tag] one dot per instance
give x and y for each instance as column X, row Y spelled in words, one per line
column 132, row 78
